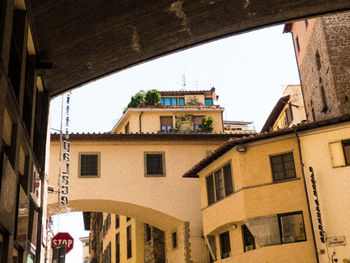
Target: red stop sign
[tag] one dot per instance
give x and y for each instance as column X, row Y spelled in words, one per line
column 63, row 238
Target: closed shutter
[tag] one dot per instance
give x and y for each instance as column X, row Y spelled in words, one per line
column 166, row 121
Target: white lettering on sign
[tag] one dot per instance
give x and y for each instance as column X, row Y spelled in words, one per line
column 68, row 243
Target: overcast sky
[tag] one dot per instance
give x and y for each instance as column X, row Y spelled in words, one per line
column 247, row 71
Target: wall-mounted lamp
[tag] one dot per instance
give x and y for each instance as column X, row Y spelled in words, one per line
column 241, row 148
column 234, row 226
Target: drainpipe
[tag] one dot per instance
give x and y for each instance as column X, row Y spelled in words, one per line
column 307, row 195
column 140, row 121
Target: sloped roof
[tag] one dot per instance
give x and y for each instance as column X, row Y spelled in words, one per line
column 228, row 145
column 277, row 110
column 185, row 92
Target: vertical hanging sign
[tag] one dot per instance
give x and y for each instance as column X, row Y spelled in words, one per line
column 317, row 206
column 64, row 176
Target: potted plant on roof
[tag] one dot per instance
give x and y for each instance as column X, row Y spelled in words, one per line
column 152, row 97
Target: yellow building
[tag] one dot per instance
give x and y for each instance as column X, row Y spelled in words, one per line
column 288, row 111
column 117, row 239
column 257, row 205
column 140, row 175
column 178, row 111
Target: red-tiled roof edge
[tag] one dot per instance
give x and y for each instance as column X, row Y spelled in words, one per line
column 150, row 136
column 226, row 146
column 187, row 92
column 275, row 113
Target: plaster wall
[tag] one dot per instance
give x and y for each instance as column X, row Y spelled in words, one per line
column 332, row 187
column 256, row 194
column 165, row 202
column 150, row 120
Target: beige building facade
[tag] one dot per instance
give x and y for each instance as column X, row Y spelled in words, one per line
column 285, row 192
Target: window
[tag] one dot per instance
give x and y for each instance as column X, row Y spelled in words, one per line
column 248, row 239
column 297, row 43
column 117, row 248
column 127, row 128
column 346, row 149
column 174, row 239
column 168, row 101
column 318, row 60
column 282, row 166
column 89, row 164
column 225, row 244
column 117, row 221
column 219, row 184
column 210, row 189
column 277, row 229
column 324, row 100
column 166, row 123
column 154, row 164
column 289, row 115
column 147, row 232
column 181, row 101
column 292, row 227
column 208, row 101
column 128, row 219
column 128, row 242
column 197, row 122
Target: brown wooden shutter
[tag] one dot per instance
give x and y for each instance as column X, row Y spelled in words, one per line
column 166, row 121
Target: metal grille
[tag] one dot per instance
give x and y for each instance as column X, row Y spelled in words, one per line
column 89, row 165
column 154, row 164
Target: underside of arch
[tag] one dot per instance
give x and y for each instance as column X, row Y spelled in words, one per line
column 150, row 216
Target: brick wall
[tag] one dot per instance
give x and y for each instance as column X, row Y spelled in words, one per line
column 326, row 77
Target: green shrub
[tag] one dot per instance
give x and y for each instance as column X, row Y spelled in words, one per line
column 138, row 98
column 207, row 124
column 152, row 97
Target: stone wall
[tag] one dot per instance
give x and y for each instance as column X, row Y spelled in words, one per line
column 155, row 247
column 325, row 68
column 337, row 35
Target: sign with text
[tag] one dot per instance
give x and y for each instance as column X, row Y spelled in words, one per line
column 63, row 239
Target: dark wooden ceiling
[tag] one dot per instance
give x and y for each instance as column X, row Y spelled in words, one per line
column 88, row 39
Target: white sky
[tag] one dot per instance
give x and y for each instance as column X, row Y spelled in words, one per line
column 247, row 71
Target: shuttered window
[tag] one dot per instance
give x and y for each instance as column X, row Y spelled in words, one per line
column 197, row 122
column 166, row 123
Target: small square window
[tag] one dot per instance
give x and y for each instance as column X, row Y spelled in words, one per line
column 282, row 166
column 154, row 164
column 89, row 164
column 208, row 101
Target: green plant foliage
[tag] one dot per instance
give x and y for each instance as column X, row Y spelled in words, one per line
column 152, row 97
column 207, row 124
column 138, row 98
column 194, row 101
